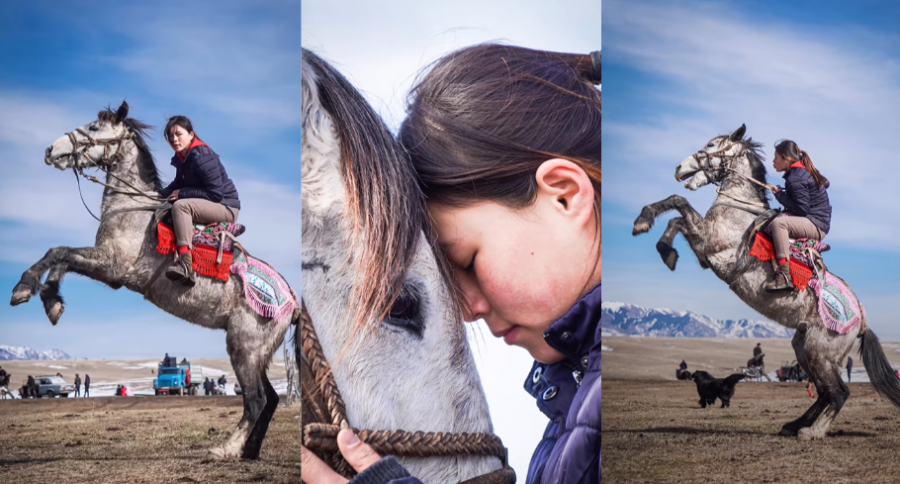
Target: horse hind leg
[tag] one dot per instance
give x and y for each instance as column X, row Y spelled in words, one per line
column 261, row 427
column 50, row 296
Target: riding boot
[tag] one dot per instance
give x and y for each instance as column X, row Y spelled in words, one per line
column 782, row 279
column 182, row 270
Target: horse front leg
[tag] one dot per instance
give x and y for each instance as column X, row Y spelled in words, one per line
column 50, row 296
column 691, row 224
column 87, row 261
column 664, row 246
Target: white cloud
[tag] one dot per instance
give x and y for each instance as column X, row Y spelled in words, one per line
column 381, row 49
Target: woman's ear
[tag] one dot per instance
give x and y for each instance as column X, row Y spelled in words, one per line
column 566, row 185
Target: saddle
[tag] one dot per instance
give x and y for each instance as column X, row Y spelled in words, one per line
column 213, row 250
column 806, row 254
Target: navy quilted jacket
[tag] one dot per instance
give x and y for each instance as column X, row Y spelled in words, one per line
column 567, row 392
column 201, row 175
column 803, row 198
column 570, row 449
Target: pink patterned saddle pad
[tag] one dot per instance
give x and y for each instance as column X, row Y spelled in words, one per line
column 839, row 308
column 211, row 234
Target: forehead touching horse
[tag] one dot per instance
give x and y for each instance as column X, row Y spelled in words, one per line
column 125, row 254
column 381, row 302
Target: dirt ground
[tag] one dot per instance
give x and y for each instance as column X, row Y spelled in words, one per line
column 138, row 440
column 654, row 431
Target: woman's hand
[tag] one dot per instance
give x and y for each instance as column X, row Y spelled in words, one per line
column 359, row 455
column 775, row 188
column 174, row 196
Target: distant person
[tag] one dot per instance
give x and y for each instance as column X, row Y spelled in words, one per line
column 77, row 385
column 849, row 367
column 222, row 381
column 31, row 388
column 758, row 350
column 4, row 377
column 124, row 391
column 87, row 385
column 60, row 375
column 206, row 387
column 683, row 365
column 166, row 362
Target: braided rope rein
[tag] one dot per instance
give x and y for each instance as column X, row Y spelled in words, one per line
column 323, row 436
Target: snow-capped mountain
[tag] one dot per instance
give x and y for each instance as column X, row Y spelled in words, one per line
column 22, row 353
column 622, row 319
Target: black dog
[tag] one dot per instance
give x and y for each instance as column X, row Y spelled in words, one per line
column 711, row 388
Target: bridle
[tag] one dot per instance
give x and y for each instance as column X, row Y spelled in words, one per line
column 717, row 174
column 322, row 402
column 106, row 162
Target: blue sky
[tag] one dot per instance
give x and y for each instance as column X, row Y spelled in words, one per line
column 232, row 67
column 824, row 74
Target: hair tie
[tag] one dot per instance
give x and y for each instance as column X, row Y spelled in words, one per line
column 594, row 75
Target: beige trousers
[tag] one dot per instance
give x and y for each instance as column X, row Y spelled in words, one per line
column 786, row 228
column 189, row 211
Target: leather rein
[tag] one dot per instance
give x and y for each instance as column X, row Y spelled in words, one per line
column 105, row 163
column 324, row 415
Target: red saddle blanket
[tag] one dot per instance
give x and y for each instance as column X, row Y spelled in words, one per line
column 203, row 256
column 763, row 250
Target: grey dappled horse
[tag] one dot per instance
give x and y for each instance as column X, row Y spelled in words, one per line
column 124, row 255
column 377, row 295
column 720, row 240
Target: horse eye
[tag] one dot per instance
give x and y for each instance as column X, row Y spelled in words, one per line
column 404, row 314
column 710, row 145
column 93, row 128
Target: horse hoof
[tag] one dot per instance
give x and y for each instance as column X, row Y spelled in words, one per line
column 55, row 312
column 640, row 228
column 788, row 431
column 223, row 453
column 20, row 296
column 807, row 434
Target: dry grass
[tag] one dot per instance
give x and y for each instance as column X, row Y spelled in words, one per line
column 654, row 431
column 138, row 440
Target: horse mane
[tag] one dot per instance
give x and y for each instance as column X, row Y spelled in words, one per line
column 385, row 208
column 146, row 164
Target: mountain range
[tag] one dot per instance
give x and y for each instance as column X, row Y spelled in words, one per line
column 623, row 319
column 8, row 353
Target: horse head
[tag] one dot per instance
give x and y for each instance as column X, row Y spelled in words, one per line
column 711, row 163
column 95, row 144
column 381, row 301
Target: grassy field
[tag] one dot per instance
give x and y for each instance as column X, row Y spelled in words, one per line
column 654, row 431
column 138, row 440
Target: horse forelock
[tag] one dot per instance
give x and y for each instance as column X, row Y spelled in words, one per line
column 384, row 209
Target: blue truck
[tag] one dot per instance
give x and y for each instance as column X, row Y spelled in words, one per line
column 175, row 379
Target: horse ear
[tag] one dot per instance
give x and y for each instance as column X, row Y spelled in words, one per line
column 122, row 112
column 738, row 135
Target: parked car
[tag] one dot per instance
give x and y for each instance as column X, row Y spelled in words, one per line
column 51, row 385
column 791, row 372
column 237, row 389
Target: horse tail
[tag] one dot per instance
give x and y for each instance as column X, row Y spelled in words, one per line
column 881, row 374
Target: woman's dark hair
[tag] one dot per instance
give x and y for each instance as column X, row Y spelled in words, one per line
column 178, row 120
column 484, row 118
column 789, row 150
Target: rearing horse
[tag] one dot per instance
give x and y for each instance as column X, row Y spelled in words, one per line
column 720, row 242
column 124, row 255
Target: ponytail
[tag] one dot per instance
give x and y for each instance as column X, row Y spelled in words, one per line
column 820, row 180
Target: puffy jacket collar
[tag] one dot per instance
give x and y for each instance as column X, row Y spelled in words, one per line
column 577, row 335
column 197, row 142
